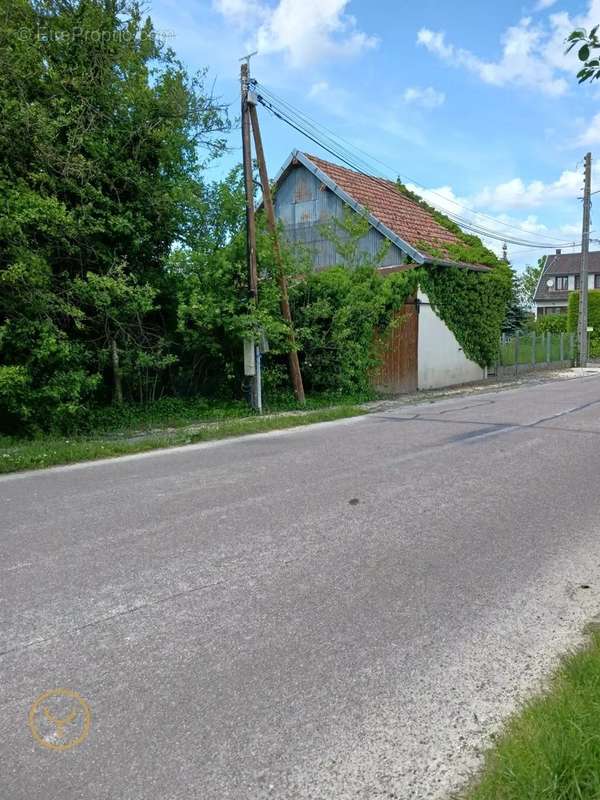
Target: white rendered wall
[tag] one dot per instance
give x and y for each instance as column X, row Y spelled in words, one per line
column 441, row 359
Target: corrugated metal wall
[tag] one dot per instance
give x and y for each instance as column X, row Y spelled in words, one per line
column 304, row 205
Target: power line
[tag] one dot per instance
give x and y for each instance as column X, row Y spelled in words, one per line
column 316, row 126
column 296, row 120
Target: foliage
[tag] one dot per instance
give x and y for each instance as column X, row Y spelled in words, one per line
column 529, row 280
column 122, row 269
column 593, row 319
column 516, row 314
column 472, row 304
column 586, row 43
column 336, row 314
column 102, row 141
column 551, row 323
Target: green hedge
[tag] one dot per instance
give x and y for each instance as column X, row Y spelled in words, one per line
column 551, row 323
column 593, row 319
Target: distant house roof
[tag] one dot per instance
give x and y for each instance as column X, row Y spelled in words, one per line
column 402, row 220
column 563, row 264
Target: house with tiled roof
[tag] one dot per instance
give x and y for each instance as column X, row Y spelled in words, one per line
column 310, row 191
column 403, row 233
column 560, row 277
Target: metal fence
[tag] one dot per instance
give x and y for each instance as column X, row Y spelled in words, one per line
column 520, row 353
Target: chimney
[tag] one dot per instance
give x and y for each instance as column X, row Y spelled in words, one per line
column 558, row 251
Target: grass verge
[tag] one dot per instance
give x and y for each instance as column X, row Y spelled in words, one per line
column 20, row 454
column 551, row 750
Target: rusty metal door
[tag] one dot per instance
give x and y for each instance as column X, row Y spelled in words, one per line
column 398, row 371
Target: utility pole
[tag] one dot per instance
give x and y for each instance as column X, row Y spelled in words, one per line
column 295, row 373
column 583, row 275
column 254, row 365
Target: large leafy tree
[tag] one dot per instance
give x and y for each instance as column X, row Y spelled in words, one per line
column 103, row 136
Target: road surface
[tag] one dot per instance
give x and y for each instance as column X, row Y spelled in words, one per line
column 340, row 611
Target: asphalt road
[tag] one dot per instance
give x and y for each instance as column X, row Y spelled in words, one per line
column 340, row 611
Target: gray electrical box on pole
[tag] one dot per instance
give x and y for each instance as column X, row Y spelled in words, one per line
column 583, row 275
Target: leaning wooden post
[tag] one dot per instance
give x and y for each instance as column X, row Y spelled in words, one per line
column 294, row 362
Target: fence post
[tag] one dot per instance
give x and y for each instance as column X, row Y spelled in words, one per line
column 562, row 346
column 533, row 348
column 572, row 347
column 516, row 354
column 548, row 347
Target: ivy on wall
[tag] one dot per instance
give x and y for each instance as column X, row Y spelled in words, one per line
column 472, row 304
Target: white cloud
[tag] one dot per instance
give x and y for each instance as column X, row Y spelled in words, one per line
column 542, row 5
column 532, row 54
column 304, row 33
column 435, row 42
column 591, row 134
column 520, row 62
column 427, row 97
column 496, row 209
column 241, row 12
column 516, row 193
column 336, row 100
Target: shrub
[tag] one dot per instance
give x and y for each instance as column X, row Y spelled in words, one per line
column 593, row 319
column 551, row 323
column 337, row 313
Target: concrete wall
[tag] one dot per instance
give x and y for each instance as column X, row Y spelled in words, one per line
column 441, row 359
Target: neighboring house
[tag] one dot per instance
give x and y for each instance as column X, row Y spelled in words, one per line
column 422, row 353
column 560, row 275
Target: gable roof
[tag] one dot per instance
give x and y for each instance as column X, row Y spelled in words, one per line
column 400, row 219
column 563, row 264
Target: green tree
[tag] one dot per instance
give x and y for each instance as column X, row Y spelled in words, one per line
column 529, row 280
column 516, row 312
column 103, row 136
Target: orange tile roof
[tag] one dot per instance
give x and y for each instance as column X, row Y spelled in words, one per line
column 380, row 197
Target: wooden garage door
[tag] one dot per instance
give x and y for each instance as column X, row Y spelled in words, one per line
column 398, row 372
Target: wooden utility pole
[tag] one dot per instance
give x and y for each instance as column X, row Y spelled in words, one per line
column 256, row 393
column 583, row 275
column 294, row 363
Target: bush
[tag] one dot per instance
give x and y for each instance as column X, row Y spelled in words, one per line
column 593, row 319
column 337, row 313
column 551, row 323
